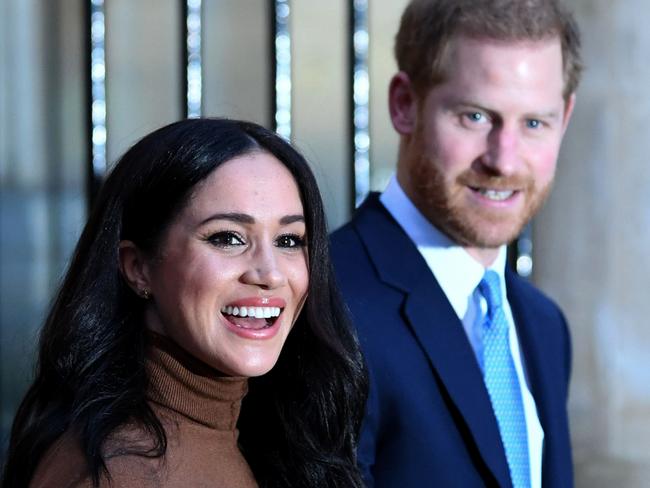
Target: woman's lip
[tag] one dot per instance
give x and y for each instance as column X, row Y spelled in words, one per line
column 258, row 302
column 257, row 334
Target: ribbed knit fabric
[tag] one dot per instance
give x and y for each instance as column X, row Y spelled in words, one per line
column 199, row 411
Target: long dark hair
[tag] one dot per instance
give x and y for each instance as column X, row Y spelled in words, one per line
column 298, row 424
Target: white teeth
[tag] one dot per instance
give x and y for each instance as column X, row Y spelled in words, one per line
column 257, row 312
column 496, row 194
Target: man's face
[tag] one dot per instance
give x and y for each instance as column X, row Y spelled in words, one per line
column 480, row 158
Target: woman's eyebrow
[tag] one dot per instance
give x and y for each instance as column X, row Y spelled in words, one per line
column 242, row 218
column 290, row 219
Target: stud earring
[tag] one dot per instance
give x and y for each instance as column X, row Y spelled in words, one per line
column 144, row 293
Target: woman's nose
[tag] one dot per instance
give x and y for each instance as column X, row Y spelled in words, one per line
column 263, row 270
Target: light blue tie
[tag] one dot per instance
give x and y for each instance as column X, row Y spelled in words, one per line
column 502, row 383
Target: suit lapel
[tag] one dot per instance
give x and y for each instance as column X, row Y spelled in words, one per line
column 532, row 347
column 436, row 327
column 542, row 373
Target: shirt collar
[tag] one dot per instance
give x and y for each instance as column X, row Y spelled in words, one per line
column 456, row 271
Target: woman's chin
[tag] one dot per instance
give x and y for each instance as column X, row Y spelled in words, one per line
column 250, row 369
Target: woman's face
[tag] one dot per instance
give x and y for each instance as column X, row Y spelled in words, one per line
column 232, row 273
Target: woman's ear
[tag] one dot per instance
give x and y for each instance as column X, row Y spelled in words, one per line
column 133, row 265
column 402, row 104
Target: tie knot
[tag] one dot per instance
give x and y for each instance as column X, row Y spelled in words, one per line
column 490, row 287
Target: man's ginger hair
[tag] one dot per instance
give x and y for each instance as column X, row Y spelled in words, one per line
column 428, row 26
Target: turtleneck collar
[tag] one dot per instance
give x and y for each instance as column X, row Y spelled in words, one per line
column 182, row 383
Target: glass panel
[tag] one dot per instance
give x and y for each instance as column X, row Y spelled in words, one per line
column 42, row 174
column 321, row 125
column 383, row 24
column 193, row 10
column 360, row 100
column 144, row 70
column 237, row 60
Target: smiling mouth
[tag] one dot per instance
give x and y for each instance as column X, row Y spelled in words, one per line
column 494, row 195
column 251, row 317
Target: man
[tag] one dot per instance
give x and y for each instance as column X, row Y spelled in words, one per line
column 469, row 364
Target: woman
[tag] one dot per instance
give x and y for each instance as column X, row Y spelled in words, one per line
column 203, row 263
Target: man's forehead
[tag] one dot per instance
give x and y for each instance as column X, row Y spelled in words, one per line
column 498, row 74
column 466, row 41
column 464, row 52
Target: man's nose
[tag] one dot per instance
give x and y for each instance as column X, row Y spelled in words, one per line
column 502, row 156
column 263, row 269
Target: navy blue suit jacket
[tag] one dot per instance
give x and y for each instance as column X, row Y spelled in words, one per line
column 429, row 420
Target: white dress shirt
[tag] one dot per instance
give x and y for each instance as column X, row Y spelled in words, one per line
column 459, row 274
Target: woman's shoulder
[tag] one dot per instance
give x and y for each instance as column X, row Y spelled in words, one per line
column 195, row 456
column 62, row 465
column 129, row 456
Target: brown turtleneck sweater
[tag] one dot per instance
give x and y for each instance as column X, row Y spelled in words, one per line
column 199, row 411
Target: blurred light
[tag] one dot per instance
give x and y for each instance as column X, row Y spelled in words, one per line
column 98, row 72
column 524, row 266
column 282, row 69
column 194, row 68
column 362, row 141
column 98, row 88
column 99, row 135
column 361, row 39
column 361, row 117
column 98, row 112
column 283, row 117
column 524, row 252
column 283, row 10
column 360, row 100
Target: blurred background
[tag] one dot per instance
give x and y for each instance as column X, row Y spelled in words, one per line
column 82, row 80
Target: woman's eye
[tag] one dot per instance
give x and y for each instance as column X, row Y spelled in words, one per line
column 290, row 241
column 226, row 239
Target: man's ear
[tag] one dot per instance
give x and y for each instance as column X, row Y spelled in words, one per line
column 133, row 265
column 569, row 105
column 402, row 104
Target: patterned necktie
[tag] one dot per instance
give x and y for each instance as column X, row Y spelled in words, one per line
column 502, row 384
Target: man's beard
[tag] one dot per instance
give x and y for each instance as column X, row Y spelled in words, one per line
column 444, row 203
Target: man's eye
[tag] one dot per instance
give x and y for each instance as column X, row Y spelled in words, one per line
column 226, row 239
column 533, row 123
column 290, row 241
column 475, row 117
